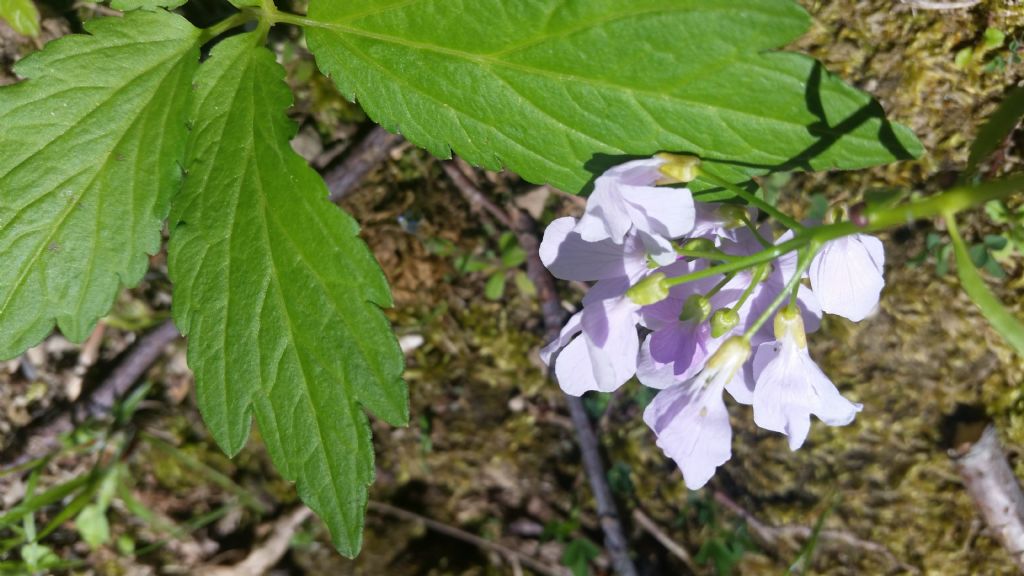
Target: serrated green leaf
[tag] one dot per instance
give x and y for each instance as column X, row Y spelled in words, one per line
column 126, row 5
column 277, row 294
column 552, row 88
column 1002, row 122
column 1008, row 326
column 22, row 15
column 89, row 156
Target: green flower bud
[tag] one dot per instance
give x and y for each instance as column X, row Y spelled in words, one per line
column 679, row 168
column 700, row 245
column 733, row 214
column 723, row 320
column 789, row 324
column 696, row 308
column 650, row 290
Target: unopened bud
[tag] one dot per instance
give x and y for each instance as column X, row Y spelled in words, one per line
column 730, row 356
column 789, row 325
column 679, row 168
column 650, row 290
column 700, row 245
column 733, row 215
column 723, row 320
column 695, row 309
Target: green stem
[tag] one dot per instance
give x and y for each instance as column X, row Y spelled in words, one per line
column 239, row 19
column 805, row 261
column 705, row 254
column 766, row 207
column 949, row 202
column 755, row 279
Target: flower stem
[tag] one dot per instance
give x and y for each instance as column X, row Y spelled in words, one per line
column 760, row 203
column 794, row 283
column 949, row 202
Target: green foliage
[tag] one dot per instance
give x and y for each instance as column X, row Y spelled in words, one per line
column 127, row 5
column 1008, row 326
column 22, row 15
column 996, row 129
column 88, row 161
column 578, row 554
column 279, row 297
column 554, row 87
column 497, row 265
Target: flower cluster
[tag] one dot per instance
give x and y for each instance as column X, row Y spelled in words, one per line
column 652, row 253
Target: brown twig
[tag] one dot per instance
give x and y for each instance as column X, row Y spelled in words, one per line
column 645, row 522
column 615, row 542
column 790, row 536
column 264, row 557
column 996, row 491
column 363, row 157
column 513, row 556
column 926, row 5
column 43, row 435
column 478, row 202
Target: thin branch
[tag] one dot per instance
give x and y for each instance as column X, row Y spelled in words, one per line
column 645, row 522
column 43, row 435
column 363, row 157
column 926, row 5
column 478, row 202
column 614, row 536
column 992, row 484
column 264, row 557
column 513, row 556
column 790, row 536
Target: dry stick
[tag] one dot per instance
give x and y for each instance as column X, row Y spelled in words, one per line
column 995, row 490
column 261, row 559
column 775, row 537
column 926, row 5
column 363, row 157
column 478, row 202
column 513, row 556
column 614, row 537
column 671, row 545
column 525, row 229
column 43, row 435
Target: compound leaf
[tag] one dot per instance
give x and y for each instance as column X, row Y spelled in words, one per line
column 277, row 294
column 553, row 88
column 89, row 155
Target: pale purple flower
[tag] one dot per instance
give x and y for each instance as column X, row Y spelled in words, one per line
column 569, row 257
column 679, row 342
column 846, row 275
column 625, row 200
column 783, row 269
column 604, row 355
column 789, row 387
column 690, row 420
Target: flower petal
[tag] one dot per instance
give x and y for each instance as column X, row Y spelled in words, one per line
column 571, row 328
column 569, row 257
column 650, row 372
column 846, row 276
column 660, row 211
column 692, row 427
column 605, row 217
column 609, row 327
column 574, row 368
column 783, row 400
